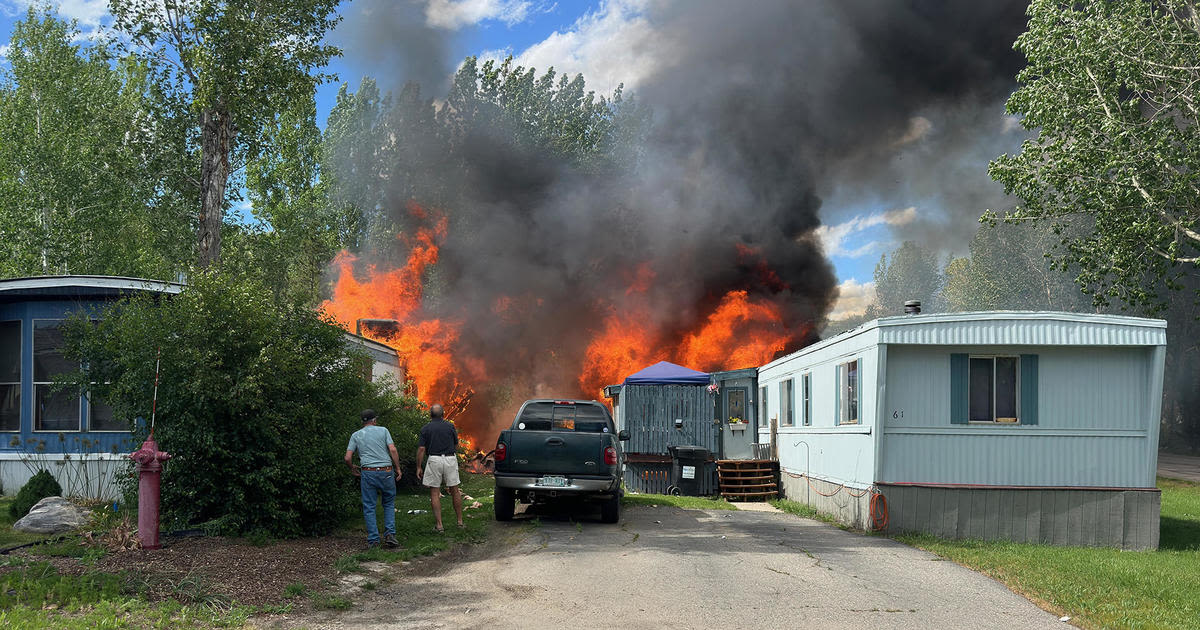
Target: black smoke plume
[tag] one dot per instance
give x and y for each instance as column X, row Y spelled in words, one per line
column 759, row 110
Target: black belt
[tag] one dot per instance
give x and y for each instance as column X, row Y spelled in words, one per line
column 443, row 454
column 376, row 467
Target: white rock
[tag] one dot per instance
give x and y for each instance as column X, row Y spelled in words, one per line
column 52, row 515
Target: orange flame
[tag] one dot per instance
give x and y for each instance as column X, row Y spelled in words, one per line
column 744, row 328
column 426, row 346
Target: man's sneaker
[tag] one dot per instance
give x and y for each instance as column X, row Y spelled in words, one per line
column 372, row 545
column 390, row 541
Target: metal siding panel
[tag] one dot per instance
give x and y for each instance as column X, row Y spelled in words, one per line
column 1019, row 530
column 1014, row 456
column 1022, row 329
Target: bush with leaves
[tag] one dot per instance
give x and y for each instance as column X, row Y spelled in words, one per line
column 256, row 402
column 41, row 485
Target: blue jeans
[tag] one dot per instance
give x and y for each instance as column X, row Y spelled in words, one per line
column 383, row 482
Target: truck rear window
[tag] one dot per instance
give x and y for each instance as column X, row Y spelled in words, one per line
column 549, row 416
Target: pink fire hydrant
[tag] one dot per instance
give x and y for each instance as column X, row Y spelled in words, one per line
column 149, row 467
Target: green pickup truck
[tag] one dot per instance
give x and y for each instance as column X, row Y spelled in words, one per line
column 560, row 449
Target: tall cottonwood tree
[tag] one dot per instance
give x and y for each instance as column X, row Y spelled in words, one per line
column 236, row 64
column 1112, row 90
column 88, row 182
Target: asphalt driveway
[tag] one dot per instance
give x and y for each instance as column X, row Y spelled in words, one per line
column 670, row 568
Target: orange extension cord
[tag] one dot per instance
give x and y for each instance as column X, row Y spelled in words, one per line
column 879, row 512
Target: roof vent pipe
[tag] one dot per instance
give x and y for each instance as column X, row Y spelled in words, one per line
column 912, row 307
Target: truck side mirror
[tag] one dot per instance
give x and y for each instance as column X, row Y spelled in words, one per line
column 623, row 435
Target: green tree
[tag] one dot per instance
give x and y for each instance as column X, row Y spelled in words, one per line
column 912, row 273
column 256, row 400
column 236, row 64
column 1112, row 89
column 86, row 184
column 298, row 228
column 1008, row 269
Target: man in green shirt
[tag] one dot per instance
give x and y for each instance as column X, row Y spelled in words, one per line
column 377, row 472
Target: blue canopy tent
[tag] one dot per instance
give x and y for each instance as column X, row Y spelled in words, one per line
column 667, row 373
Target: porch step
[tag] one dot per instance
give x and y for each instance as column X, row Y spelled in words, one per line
column 748, row 479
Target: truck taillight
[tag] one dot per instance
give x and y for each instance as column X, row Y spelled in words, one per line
column 501, row 451
column 610, row 456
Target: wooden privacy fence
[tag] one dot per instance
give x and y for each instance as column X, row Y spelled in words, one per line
column 650, row 412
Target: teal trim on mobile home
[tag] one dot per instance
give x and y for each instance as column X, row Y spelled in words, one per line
column 1015, row 401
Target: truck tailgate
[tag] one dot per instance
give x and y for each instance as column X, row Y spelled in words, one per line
column 555, row 452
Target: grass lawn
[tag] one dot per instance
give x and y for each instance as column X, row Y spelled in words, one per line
column 687, row 503
column 415, row 532
column 34, row 595
column 1101, row 588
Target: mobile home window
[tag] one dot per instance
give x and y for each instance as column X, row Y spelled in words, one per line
column 806, row 394
column 848, row 392
column 53, row 410
column 10, row 376
column 994, row 390
column 787, row 392
column 762, row 406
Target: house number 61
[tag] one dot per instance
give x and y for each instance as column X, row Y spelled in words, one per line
column 897, row 414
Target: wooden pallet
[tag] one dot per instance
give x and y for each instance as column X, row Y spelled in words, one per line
column 748, row 479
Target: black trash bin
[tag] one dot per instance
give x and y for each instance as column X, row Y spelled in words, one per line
column 688, row 467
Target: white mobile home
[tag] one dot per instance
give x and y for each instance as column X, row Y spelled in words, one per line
column 1026, row 426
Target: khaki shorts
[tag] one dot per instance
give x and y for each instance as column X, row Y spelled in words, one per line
column 441, row 470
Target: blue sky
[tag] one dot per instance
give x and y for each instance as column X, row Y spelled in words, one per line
column 595, row 37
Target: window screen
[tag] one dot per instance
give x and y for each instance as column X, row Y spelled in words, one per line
column 994, row 389
column 53, row 410
column 10, row 376
column 787, row 394
column 806, row 393
column 101, row 418
column 848, row 392
column 981, row 389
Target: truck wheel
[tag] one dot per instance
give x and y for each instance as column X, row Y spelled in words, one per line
column 610, row 509
column 505, row 503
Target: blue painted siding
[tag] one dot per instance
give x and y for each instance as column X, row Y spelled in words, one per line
column 842, row 454
column 1093, row 420
column 51, row 442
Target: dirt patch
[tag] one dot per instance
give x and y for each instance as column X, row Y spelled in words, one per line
column 203, row 567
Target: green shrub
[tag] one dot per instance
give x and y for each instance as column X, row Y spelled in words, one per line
column 41, row 485
column 256, row 401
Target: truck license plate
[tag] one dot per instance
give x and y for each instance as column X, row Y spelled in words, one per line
column 553, row 481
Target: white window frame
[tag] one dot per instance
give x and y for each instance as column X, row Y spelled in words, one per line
column 763, row 408
column 787, row 402
column 806, row 398
column 79, row 400
column 995, row 390
column 843, row 398
column 20, row 371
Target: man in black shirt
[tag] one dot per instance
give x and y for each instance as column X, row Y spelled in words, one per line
column 439, row 439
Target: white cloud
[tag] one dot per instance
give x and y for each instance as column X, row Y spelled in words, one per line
column 90, row 14
column 853, row 299
column 452, row 15
column 4, row 48
column 833, row 237
column 612, row 45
